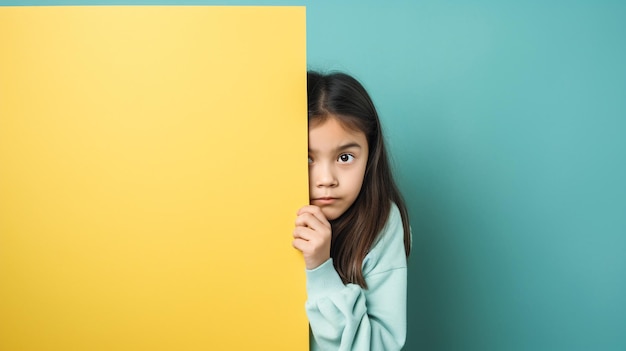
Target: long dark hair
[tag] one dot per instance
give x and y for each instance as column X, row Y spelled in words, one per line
column 355, row 231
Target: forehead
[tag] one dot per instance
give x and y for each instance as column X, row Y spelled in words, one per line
column 330, row 133
column 346, row 121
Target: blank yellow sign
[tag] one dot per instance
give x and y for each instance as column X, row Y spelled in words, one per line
column 152, row 160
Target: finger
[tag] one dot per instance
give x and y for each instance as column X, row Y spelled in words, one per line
column 299, row 244
column 303, row 233
column 309, row 220
column 315, row 211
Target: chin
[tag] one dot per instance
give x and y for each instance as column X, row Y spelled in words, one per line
column 331, row 214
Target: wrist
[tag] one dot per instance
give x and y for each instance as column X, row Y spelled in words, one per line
column 314, row 263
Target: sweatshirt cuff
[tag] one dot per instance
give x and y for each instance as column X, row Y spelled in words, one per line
column 323, row 280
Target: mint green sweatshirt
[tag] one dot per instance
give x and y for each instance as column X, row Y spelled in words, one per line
column 348, row 317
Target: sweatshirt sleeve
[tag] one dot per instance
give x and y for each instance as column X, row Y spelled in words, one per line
column 348, row 317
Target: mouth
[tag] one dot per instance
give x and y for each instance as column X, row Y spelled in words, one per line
column 323, row 200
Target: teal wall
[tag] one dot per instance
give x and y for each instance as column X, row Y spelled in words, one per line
column 507, row 124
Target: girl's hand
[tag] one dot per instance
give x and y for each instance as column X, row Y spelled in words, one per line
column 312, row 236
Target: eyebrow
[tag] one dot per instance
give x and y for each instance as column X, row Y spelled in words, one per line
column 348, row 146
column 345, row 147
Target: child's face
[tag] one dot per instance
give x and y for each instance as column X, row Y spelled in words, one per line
column 337, row 160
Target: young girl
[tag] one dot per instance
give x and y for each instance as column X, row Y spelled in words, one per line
column 354, row 235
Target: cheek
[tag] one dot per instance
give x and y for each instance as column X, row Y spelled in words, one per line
column 310, row 182
column 360, row 176
column 356, row 183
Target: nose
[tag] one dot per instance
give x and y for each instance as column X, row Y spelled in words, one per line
column 324, row 176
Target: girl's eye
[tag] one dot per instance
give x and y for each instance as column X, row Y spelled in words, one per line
column 310, row 160
column 345, row 158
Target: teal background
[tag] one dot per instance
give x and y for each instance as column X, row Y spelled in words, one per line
column 506, row 121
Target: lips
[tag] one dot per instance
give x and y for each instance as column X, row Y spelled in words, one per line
column 324, row 200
